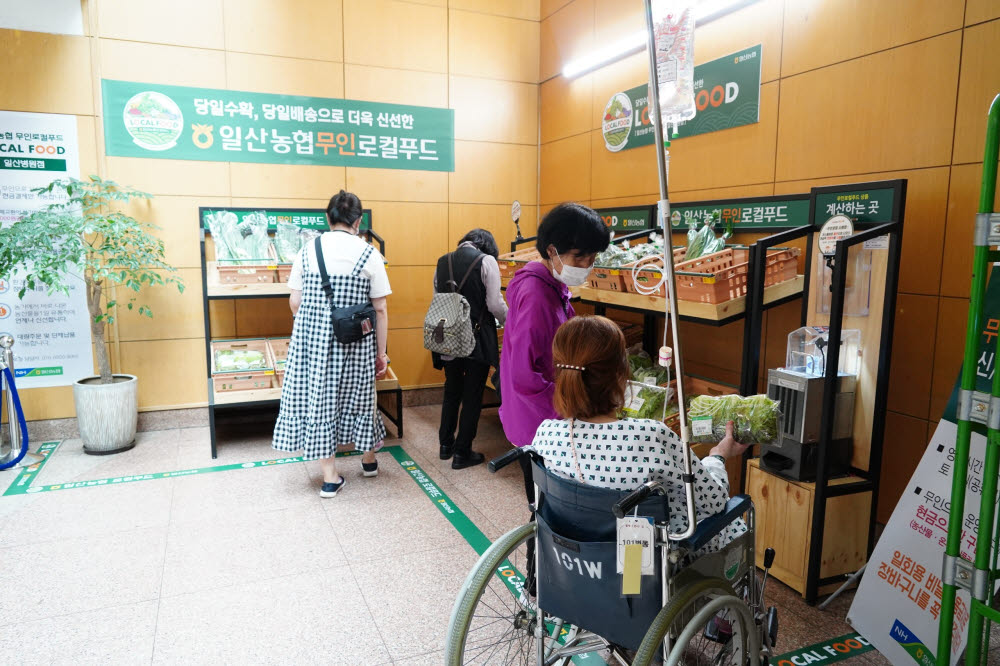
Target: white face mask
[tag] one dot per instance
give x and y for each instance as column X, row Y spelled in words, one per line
column 571, row 276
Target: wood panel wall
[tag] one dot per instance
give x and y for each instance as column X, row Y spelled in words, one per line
column 478, row 57
column 851, row 91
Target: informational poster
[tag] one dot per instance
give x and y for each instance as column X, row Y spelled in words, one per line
column 51, row 333
column 727, row 95
column 182, row 123
column 898, row 603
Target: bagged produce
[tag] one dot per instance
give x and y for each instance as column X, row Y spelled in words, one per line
column 643, row 401
column 289, row 240
column 638, row 359
column 239, row 242
column 755, row 418
column 654, row 375
column 233, row 360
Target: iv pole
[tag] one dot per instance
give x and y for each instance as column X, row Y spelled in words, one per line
column 663, row 207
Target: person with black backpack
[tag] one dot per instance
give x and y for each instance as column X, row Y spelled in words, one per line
column 461, row 331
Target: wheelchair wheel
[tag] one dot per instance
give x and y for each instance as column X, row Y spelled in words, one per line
column 708, row 626
column 494, row 620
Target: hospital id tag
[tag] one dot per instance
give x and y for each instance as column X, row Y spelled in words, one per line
column 636, row 531
column 366, row 326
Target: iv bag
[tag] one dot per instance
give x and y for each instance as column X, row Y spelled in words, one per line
column 673, row 29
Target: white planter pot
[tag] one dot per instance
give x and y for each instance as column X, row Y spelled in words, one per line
column 107, row 413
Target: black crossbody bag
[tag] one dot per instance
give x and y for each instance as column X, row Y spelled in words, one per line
column 350, row 324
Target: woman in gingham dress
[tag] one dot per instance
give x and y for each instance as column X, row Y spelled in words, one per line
column 595, row 447
column 328, row 395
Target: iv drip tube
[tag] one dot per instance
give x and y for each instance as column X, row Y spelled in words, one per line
column 9, row 376
column 663, row 208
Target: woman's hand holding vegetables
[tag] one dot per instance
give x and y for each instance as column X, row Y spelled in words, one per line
column 728, row 447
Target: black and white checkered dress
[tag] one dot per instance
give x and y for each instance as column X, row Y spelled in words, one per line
column 328, row 396
column 624, row 454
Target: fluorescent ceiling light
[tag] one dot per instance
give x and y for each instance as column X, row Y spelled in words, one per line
column 705, row 12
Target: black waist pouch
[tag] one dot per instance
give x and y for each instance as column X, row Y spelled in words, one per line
column 354, row 323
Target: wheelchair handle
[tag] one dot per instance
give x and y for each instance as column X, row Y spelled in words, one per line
column 498, row 464
column 633, row 499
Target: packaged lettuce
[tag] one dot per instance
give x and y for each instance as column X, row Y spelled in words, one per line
column 755, row 418
column 638, row 360
column 232, row 360
column 643, row 401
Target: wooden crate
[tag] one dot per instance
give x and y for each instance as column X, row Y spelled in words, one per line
column 277, row 350
column 243, row 380
column 722, row 276
column 284, row 272
column 784, row 522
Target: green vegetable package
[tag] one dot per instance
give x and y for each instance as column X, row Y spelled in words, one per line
column 233, row 360
column 755, row 418
column 643, row 401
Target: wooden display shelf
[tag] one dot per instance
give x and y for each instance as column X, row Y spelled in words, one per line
column 215, row 289
column 689, row 309
column 784, row 510
column 390, row 383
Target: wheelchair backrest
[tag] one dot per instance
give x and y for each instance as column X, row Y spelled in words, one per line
column 583, row 512
column 576, row 550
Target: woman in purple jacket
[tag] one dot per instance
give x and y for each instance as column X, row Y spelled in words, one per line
column 569, row 238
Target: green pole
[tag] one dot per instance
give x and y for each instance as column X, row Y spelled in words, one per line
column 987, row 509
column 980, row 266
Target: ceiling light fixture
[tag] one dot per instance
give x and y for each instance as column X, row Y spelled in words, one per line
column 705, row 12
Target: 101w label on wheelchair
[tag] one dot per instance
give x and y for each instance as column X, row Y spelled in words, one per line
column 636, row 531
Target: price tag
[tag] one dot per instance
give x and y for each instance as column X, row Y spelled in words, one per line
column 701, row 426
column 636, row 531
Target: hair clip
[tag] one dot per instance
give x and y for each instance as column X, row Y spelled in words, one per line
column 570, row 367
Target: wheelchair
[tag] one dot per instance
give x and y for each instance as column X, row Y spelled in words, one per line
column 548, row 592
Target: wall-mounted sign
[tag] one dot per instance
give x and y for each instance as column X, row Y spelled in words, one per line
column 307, row 218
column 181, row 123
column 861, row 206
column 745, row 214
column 628, row 219
column 51, row 332
column 727, row 95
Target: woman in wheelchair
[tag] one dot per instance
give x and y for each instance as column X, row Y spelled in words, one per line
column 553, row 588
column 596, row 447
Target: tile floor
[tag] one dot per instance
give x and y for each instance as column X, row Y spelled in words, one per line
column 251, row 566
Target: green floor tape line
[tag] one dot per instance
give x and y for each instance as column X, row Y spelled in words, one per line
column 19, row 488
column 24, row 478
column 828, row 652
column 508, row 574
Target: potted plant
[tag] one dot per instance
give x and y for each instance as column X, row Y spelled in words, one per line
column 85, row 232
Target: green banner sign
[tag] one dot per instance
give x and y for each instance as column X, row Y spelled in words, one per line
column 625, row 220
column 745, row 214
column 181, row 123
column 727, row 95
column 863, row 206
column 33, row 164
column 827, row 652
column 307, row 218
